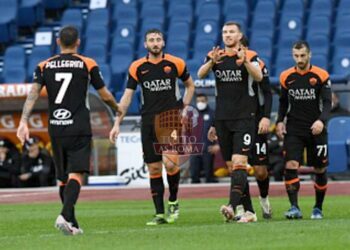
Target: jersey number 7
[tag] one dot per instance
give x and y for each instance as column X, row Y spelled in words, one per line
column 67, row 78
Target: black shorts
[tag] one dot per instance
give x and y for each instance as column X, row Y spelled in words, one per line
column 149, row 138
column 71, row 155
column 260, row 153
column 316, row 148
column 235, row 136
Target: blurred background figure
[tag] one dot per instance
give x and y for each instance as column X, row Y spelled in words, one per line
column 36, row 168
column 337, row 109
column 204, row 162
column 9, row 164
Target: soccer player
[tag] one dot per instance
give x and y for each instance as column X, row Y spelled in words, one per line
column 67, row 77
column 259, row 154
column 235, row 70
column 305, row 101
column 157, row 73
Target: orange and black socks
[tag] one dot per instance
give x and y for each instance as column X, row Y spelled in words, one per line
column 320, row 189
column 157, row 190
column 292, row 183
column 246, row 199
column 71, row 194
column 264, row 187
column 238, row 184
column 173, row 181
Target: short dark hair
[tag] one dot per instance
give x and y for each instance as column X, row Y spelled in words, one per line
column 229, row 23
column 68, row 36
column 244, row 41
column 301, row 44
column 150, row 31
column 202, row 95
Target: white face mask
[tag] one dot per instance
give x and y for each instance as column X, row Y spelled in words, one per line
column 201, row 105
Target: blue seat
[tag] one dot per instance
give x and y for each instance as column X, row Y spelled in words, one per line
column 174, row 4
column 321, row 8
column 291, row 26
column 319, row 44
column 55, row 4
column 265, row 9
column 319, row 25
column 343, row 7
column 73, row 17
column 14, row 74
column 178, row 48
column 156, row 13
column 240, row 9
column 121, row 58
column 202, row 48
column 342, row 24
column 15, row 56
column 8, row 16
column 341, row 64
column 338, row 134
column 179, row 31
column 320, row 60
column 126, row 15
column 97, row 34
column 181, row 13
column 283, row 62
column 286, row 43
column 96, row 51
column 342, row 41
column 193, row 66
column 263, row 46
column 98, row 17
column 207, row 30
column 209, row 10
column 30, row 13
column 263, row 27
column 106, row 74
column 39, row 54
column 124, row 4
column 294, row 8
column 199, row 4
column 125, row 33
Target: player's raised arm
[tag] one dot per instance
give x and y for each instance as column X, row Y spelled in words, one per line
column 212, row 58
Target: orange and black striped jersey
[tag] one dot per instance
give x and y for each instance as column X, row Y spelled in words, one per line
column 67, row 78
column 305, row 97
column 159, row 83
column 235, row 96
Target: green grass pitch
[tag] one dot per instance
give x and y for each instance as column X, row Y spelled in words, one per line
column 121, row 225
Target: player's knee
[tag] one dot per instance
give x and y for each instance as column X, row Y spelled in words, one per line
column 260, row 172
column 79, row 177
column 239, row 162
column 155, row 171
column 292, row 165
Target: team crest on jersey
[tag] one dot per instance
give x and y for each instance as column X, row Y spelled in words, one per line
column 313, row 81
column 167, row 69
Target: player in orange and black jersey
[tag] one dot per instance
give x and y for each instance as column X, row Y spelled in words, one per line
column 235, row 70
column 158, row 74
column 67, row 77
column 259, row 155
column 305, row 102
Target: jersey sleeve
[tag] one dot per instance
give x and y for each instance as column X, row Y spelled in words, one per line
column 185, row 74
column 38, row 76
column 96, row 78
column 326, row 97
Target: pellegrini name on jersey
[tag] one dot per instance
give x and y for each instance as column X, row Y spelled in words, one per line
column 65, row 64
column 158, row 85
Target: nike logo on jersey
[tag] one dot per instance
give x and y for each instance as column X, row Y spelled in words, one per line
column 144, row 72
column 290, row 82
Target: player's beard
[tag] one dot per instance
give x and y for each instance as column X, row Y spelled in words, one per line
column 230, row 44
column 302, row 66
column 155, row 51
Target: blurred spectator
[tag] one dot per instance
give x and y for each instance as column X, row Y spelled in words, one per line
column 9, row 164
column 205, row 161
column 36, row 167
column 337, row 110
